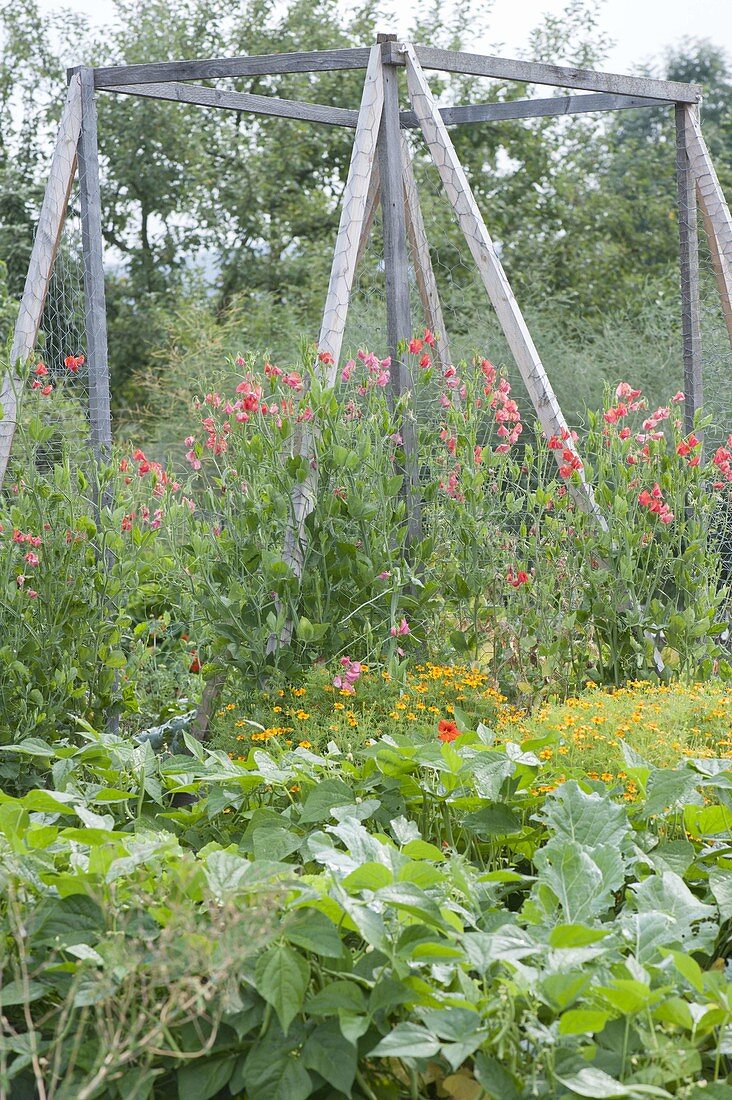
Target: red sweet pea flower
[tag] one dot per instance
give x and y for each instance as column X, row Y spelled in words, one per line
column 520, row 578
column 415, row 346
column 447, row 731
column 41, row 369
column 73, row 362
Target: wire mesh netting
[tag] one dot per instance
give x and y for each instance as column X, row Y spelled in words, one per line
column 54, row 416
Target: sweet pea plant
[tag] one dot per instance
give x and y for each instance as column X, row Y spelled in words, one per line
column 509, row 570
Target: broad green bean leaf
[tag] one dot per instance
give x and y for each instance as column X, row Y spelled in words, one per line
column 328, row 1052
column 282, row 978
column 356, row 811
column 592, row 1082
column 410, row 899
column 313, row 931
column 495, row 1079
column 204, row 1078
column 18, row 992
column 320, row 801
column 407, row 1040
column 369, row 876
column 275, row 844
column 582, row 1021
column 338, row 996
column 575, row 935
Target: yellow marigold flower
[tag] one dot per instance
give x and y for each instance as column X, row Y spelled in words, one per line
column 302, row 715
column 394, row 714
column 339, row 706
column 304, row 744
column 277, row 710
column 299, row 691
column 412, row 716
column 281, row 693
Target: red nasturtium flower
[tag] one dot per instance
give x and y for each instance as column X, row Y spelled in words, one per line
column 447, row 730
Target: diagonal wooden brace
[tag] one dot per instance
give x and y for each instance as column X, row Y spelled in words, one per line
column 491, row 270
column 715, row 211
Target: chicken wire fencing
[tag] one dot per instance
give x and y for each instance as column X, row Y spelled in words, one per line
column 54, row 417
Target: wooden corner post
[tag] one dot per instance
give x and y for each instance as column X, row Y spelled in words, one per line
column 689, row 264
column 95, row 312
column 396, row 273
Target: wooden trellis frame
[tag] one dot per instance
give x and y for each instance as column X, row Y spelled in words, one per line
column 380, row 172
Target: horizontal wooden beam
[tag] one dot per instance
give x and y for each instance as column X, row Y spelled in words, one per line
column 240, row 101
column 534, row 72
column 537, row 108
column 219, row 67
column 339, row 116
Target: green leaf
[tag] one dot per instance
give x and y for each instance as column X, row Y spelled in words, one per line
column 329, row 793
column 274, row 844
column 497, row 820
column 495, row 1079
column 407, row 1040
column 70, row 920
column 202, row 1079
column 581, row 1021
column 720, row 883
column 589, row 819
column 593, row 1082
column 330, row 1054
column 670, row 788
column 16, row 993
column 313, row 931
column 582, row 881
column 282, row 978
column 575, row 935
column 271, row 1071
column 338, row 996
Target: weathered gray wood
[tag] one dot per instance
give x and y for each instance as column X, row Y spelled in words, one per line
column 396, row 277
column 240, row 101
column 353, row 209
column 421, row 259
column 722, row 272
column 689, row 263
column 715, row 211
column 373, row 200
column 342, row 271
column 43, row 255
column 95, row 314
column 219, row 67
column 537, row 108
column 491, row 270
column 533, row 72
column 178, row 92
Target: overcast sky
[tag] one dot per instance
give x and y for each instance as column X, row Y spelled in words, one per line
column 642, row 29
